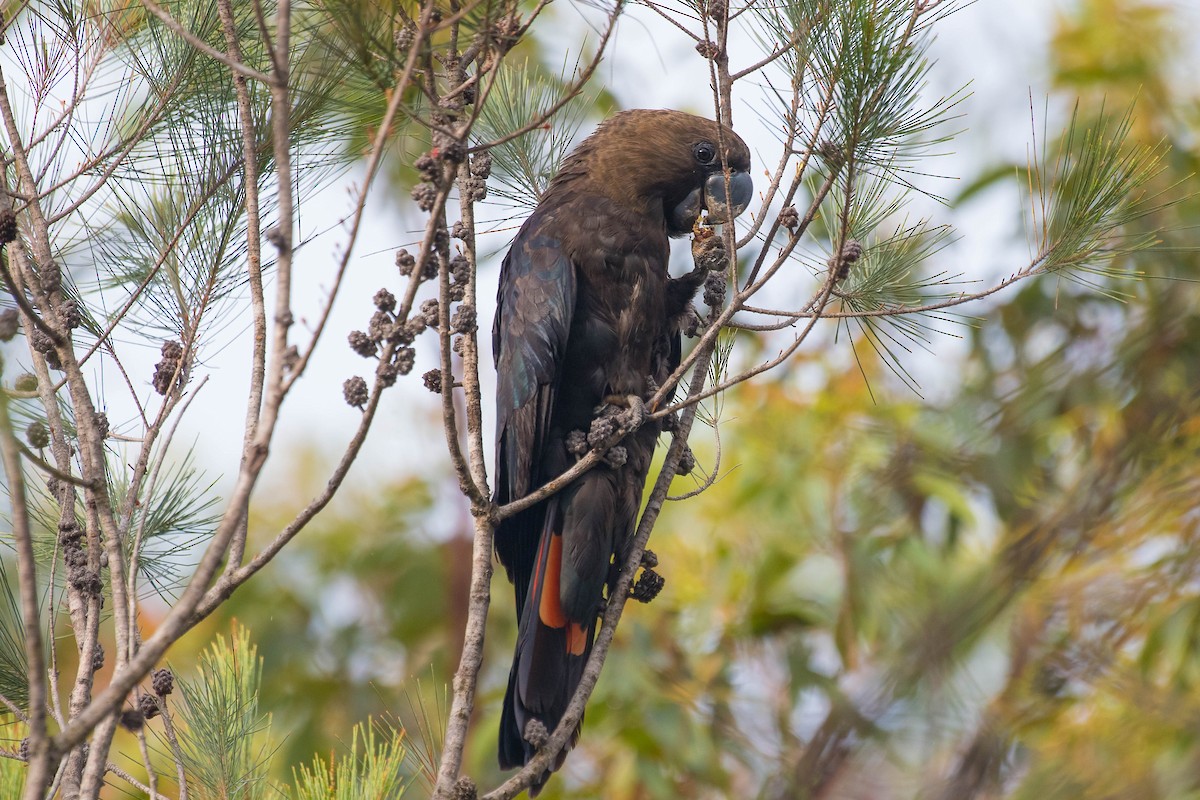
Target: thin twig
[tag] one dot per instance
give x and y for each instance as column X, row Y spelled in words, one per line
column 374, row 160
column 51, row 469
column 768, row 60
column 154, row 472
column 151, row 776
column 17, row 711
column 258, row 308
column 30, row 315
column 462, row 469
column 40, row 749
column 51, row 613
column 658, row 10
column 204, row 47
column 173, row 743
column 571, row 93
column 232, row 579
column 709, row 477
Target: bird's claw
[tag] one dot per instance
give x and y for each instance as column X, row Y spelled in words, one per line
column 635, row 414
column 692, row 323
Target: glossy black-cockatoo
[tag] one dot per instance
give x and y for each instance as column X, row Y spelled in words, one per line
column 587, row 315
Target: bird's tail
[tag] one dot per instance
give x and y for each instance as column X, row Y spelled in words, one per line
column 547, row 667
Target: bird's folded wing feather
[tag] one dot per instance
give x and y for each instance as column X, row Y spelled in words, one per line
column 535, row 304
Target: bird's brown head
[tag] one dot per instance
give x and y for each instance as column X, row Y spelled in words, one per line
column 666, row 163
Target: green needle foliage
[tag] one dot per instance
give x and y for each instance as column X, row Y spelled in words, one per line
column 873, row 56
column 524, row 92
column 169, row 523
column 372, row 769
column 228, row 748
column 171, row 214
column 12, row 777
column 223, row 736
column 892, row 275
column 1096, row 186
column 14, row 668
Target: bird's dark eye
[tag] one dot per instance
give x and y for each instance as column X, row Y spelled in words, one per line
column 704, row 153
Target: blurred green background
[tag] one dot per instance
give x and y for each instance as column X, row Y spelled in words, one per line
column 994, row 593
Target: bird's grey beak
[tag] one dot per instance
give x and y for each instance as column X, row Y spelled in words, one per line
column 741, row 192
column 684, row 215
column 711, row 196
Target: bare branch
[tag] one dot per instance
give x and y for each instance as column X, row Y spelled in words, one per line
column 258, row 307
column 51, row 469
column 176, row 750
column 42, row 754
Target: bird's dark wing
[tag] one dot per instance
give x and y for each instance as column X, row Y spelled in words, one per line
column 618, row 327
column 535, row 303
